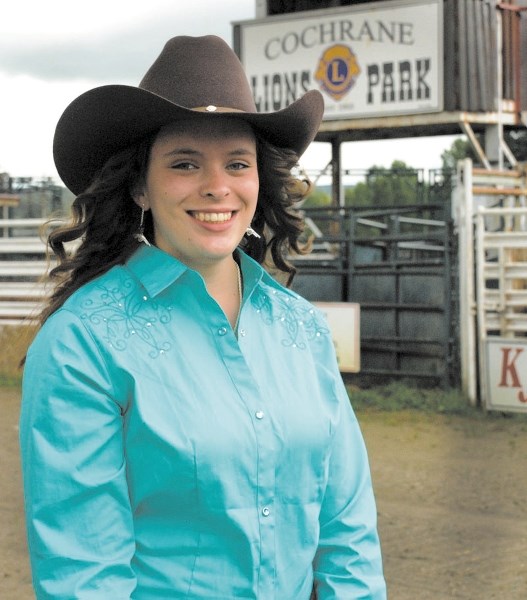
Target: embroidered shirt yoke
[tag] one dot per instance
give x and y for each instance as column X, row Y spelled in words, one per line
column 164, row 457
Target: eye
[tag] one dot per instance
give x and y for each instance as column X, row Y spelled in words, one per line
column 184, row 165
column 238, row 166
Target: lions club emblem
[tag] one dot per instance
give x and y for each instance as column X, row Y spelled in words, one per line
column 337, row 71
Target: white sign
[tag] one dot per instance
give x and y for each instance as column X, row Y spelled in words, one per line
column 367, row 60
column 343, row 319
column 506, row 374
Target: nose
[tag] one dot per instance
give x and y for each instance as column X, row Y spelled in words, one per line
column 215, row 184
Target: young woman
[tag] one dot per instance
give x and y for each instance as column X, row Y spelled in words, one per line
column 185, row 432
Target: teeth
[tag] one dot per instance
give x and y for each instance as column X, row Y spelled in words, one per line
column 209, row 217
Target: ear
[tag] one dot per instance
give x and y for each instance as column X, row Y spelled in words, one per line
column 141, row 199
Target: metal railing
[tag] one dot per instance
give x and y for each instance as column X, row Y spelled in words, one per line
column 23, row 264
column 397, row 263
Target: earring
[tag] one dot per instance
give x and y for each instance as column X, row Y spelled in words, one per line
column 140, row 235
column 250, row 231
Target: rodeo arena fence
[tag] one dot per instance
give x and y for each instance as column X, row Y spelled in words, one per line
column 434, row 291
column 22, row 266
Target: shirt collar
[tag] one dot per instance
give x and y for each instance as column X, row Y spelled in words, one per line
column 157, row 270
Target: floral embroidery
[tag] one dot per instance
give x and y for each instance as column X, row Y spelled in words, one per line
column 124, row 313
column 298, row 318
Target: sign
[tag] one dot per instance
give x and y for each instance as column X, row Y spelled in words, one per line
column 344, row 324
column 506, row 374
column 367, row 60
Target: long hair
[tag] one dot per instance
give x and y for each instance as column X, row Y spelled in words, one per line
column 104, row 219
column 276, row 219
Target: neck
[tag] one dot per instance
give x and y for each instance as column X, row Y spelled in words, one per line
column 223, row 285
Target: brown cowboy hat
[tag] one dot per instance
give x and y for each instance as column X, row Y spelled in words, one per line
column 191, row 76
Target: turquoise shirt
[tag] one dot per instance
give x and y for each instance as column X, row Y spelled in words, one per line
column 165, row 457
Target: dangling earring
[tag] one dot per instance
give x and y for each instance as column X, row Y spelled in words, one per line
column 140, row 235
column 250, row 231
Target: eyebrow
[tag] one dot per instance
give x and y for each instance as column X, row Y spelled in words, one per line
column 191, row 152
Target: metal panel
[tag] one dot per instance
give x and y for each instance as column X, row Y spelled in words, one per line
column 492, row 221
column 451, row 44
column 407, row 328
column 396, row 262
column 502, row 302
column 470, row 55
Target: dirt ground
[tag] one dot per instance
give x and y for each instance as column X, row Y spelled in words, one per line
column 451, row 494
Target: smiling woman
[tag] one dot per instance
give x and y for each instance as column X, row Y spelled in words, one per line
column 185, row 431
column 202, row 188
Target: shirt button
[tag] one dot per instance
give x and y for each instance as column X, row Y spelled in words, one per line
column 222, row 331
column 243, row 333
column 266, row 512
column 259, row 414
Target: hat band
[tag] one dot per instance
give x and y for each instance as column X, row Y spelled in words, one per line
column 212, row 108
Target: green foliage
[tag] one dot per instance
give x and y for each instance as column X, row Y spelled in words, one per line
column 359, row 196
column 398, row 396
column 459, row 150
column 398, row 185
column 317, row 199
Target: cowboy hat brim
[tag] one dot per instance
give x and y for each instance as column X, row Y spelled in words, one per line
column 107, row 119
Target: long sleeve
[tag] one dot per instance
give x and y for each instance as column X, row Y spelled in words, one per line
column 79, row 521
column 348, row 564
column 164, row 457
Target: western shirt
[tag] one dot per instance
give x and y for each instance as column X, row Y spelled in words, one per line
column 165, row 457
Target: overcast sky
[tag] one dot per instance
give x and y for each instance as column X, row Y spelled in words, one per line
column 53, row 50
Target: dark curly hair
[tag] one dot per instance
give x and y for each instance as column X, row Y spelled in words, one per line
column 105, row 217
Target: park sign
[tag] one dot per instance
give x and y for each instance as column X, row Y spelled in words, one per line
column 375, row 59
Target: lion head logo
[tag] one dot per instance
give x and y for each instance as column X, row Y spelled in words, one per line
column 337, row 71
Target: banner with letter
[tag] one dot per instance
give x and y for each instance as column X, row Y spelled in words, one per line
column 368, row 60
column 506, row 374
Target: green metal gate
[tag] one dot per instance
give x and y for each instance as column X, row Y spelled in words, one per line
column 398, row 263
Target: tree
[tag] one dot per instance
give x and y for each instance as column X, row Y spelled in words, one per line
column 398, row 185
column 317, row 199
column 459, row 150
column 516, row 139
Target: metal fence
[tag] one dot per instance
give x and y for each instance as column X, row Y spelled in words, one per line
column 491, row 223
column 399, row 263
column 22, row 265
column 395, row 261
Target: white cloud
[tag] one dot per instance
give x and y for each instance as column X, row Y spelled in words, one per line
column 66, row 19
column 50, row 52
column 30, row 110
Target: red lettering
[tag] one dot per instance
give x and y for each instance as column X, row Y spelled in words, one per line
column 508, row 367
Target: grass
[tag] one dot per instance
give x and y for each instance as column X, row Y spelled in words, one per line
column 399, row 396
column 14, row 341
column 389, row 398
column 405, row 399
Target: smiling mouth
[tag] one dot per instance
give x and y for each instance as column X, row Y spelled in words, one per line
column 212, row 217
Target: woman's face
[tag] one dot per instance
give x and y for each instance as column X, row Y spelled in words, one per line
column 202, row 188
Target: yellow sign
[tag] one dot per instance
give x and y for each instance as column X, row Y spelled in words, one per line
column 344, row 322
